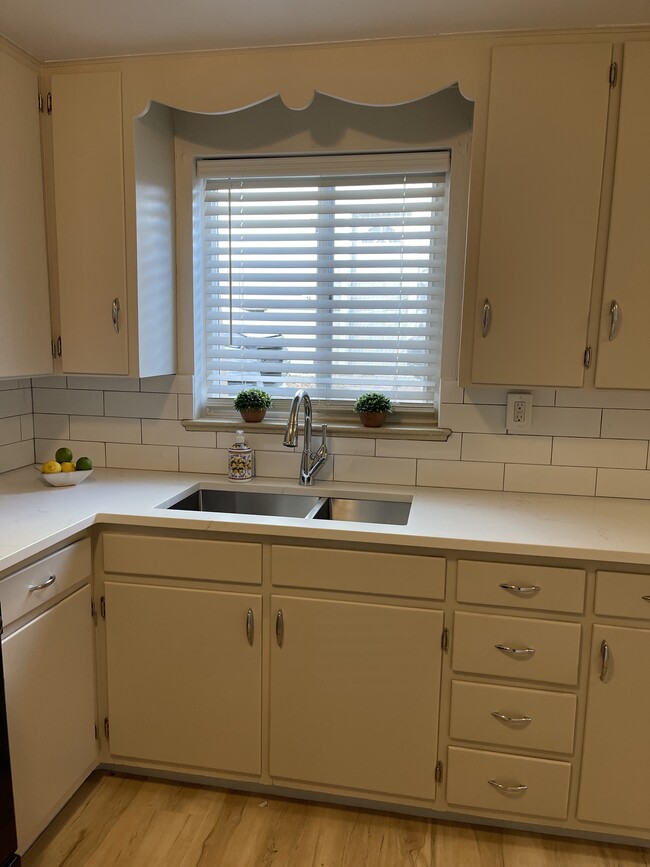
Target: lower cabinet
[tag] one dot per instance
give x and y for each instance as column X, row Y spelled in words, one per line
column 355, row 695
column 615, row 778
column 184, row 676
column 50, row 689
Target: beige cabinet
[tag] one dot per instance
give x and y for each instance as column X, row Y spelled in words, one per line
column 355, row 696
column 184, row 676
column 615, row 776
column 49, row 683
column 624, row 348
column 546, row 127
column 25, row 347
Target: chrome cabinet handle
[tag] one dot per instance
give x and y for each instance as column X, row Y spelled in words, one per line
column 43, row 584
column 511, row 719
column 516, row 651
column 604, row 660
column 279, row 627
column 250, row 626
column 517, row 589
column 486, row 321
column 646, row 598
column 503, row 788
column 115, row 315
column 614, row 311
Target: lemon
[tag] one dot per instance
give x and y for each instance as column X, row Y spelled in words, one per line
column 51, row 467
column 84, row 464
column 67, row 467
column 63, row 455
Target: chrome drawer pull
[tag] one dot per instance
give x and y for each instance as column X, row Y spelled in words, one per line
column 279, row 627
column 43, row 585
column 516, row 651
column 604, row 660
column 517, row 589
column 614, row 310
column 647, row 598
column 511, row 719
column 486, row 319
column 502, row 788
column 250, row 626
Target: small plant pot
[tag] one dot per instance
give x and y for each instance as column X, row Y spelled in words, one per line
column 252, row 415
column 372, row 419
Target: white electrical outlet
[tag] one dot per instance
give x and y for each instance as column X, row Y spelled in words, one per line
column 519, row 411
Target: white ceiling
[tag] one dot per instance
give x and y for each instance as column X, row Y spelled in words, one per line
column 67, row 29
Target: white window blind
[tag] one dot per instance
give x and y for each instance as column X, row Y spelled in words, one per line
column 325, row 274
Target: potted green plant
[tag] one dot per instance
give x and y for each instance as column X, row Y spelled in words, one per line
column 373, row 408
column 252, row 404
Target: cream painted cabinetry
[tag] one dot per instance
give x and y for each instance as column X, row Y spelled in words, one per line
column 25, row 323
column 48, row 652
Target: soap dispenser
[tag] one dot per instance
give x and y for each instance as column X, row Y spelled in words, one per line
column 241, row 460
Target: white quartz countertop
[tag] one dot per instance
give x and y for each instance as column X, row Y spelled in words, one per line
column 35, row 517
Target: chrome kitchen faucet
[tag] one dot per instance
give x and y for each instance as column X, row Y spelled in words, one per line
column 310, row 463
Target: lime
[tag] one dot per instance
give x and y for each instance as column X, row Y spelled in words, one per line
column 63, row 455
column 51, row 467
column 84, row 464
column 67, row 467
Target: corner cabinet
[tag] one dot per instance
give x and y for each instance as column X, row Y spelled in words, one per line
column 25, row 322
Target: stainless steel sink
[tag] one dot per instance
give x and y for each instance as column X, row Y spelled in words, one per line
column 365, row 511
column 248, row 503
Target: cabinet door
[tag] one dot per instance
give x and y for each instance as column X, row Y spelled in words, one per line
column 184, row 681
column 354, row 695
column 544, row 159
column 615, row 778
column 624, row 360
column 50, row 688
column 89, row 199
column 25, row 321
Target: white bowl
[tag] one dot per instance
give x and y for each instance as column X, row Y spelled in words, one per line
column 64, row 480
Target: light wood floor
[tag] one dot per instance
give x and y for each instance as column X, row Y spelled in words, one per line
column 119, row 820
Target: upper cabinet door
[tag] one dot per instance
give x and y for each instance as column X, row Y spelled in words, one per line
column 25, row 322
column 624, row 343
column 544, row 160
column 89, row 200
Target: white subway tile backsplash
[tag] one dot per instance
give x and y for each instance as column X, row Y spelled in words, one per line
column 172, row 433
column 541, row 396
column 349, row 445
column 185, row 406
column 15, row 455
column 278, row 465
column 583, row 452
column 450, row 391
column 502, row 449
column 473, row 418
column 46, row 449
column 9, row 384
column 626, row 424
column 15, row 402
column 634, row 484
column 27, row 427
column 105, row 429
column 69, row 400
column 603, row 398
column 10, row 431
column 550, row 479
column 460, row 474
column 566, row 422
column 269, row 442
column 104, row 383
column 51, row 427
column 141, row 457
column 433, row 451
column 138, row 405
column 178, row 384
column 203, row 460
column 49, row 382
column 382, row 471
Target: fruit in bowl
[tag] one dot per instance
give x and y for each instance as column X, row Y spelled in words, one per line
column 63, row 471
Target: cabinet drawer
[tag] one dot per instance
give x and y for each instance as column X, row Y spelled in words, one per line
column 23, row 591
column 622, row 594
column 358, row 571
column 539, row 720
column 545, row 588
column 546, row 783
column 551, row 649
column 200, row 559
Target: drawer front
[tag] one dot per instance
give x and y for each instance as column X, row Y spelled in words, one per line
column 543, row 785
column 23, row 591
column 549, row 651
column 358, row 571
column 543, row 588
column 622, row 594
column 199, row 559
column 525, row 719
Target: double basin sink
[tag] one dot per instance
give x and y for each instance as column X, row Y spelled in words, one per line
column 295, row 506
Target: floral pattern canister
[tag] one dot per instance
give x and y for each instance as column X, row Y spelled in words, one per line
column 241, row 460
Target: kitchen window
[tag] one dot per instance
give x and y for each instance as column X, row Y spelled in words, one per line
column 325, row 273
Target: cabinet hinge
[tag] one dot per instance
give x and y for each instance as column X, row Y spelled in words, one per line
column 438, row 773
column 41, row 105
column 102, row 607
column 106, row 728
column 586, row 360
column 613, row 74
column 96, row 733
column 444, row 639
column 53, row 345
column 48, row 102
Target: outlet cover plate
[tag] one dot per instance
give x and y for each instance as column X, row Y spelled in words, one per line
column 519, row 411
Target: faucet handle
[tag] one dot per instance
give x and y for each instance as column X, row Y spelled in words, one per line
column 323, row 432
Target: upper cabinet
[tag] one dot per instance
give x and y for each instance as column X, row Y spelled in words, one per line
column 546, row 130
column 115, row 300
column 25, row 347
column 624, row 346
